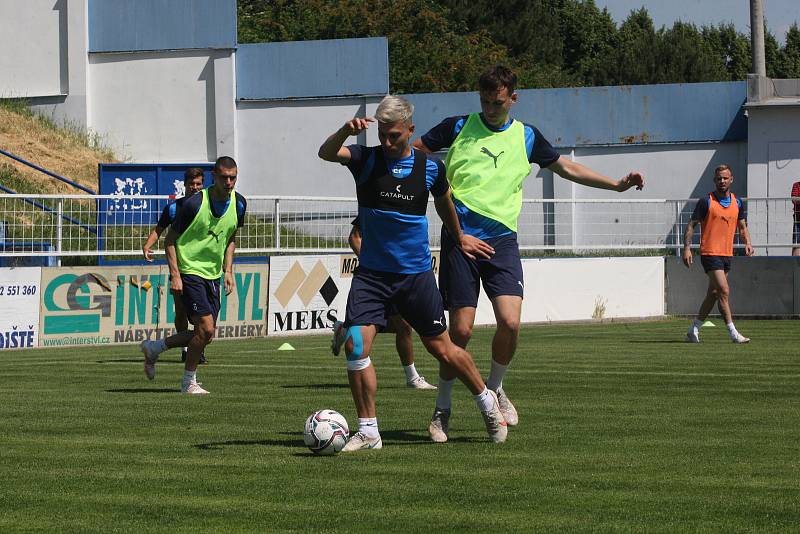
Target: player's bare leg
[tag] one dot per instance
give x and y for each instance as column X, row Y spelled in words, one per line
column 363, row 387
column 507, row 312
column 404, row 344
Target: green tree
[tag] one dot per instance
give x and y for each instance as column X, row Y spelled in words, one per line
column 685, row 57
column 637, row 53
column 771, row 54
column 789, row 55
column 590, row 41
column 731, row 47
column 428, row 51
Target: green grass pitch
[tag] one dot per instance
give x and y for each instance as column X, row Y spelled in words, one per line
column 622, row 428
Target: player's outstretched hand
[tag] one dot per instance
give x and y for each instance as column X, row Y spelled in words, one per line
column 148, row 254
column 748, row 249
column 687, row 257
column 474, row 247
column 634, row 178
column 357, row 125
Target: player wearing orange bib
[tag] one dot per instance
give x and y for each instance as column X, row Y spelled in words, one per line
column 720, row 213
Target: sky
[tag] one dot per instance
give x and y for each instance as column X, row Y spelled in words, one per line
column 780, row 14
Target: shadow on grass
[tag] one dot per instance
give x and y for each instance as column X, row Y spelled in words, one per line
column 292, row 440
column 144, row 390
column 136, row 360
column 316, row 386
column 659, row 341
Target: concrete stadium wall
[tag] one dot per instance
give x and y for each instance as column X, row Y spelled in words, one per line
column 33, row 67
column 44, row 46
column 773, row 165
column 278, row 143
column 760, row 286
column 164, row 106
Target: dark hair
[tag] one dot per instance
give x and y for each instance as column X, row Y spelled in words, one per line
column 224, row 162
column 192, row 173
column 496, row 77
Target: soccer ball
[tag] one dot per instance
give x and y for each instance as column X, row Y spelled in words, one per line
column 325, row 432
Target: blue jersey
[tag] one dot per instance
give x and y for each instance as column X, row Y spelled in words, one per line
column 540, row 152
column 169, row 212
column 392, row 202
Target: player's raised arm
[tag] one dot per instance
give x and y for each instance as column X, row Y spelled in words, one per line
column 583, row 175
column 333, row 150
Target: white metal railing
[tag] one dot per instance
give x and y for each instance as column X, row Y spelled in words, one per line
column 116, row 226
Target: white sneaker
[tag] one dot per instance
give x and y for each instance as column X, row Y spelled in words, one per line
column 496, row 425
column 420, row 383
column 360, row 441
column 338, row 337
column 740, row 339
column 193, row 389
column 151, row 352
column 440, row 425
column 693, row 335
column 506, row 408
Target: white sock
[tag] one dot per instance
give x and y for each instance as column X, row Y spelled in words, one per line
column 189, row 377
column 496, row 375
column 444, row 396
column 411, row 372
column 732, row 330
column 368, row 426
column 484, row 400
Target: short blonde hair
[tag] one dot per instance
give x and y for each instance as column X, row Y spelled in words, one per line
column 394, row 109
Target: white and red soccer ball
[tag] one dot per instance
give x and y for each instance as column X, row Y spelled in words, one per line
column 326, row 432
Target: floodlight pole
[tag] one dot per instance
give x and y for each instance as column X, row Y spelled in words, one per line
column 757, row 37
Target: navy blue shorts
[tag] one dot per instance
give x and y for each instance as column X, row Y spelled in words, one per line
column 460, row 277
column 374, row 295
column 796, row 234
column 716, row 263
column 200, row 296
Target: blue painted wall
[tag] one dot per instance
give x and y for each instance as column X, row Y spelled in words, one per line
column 587, row 116
column 312, row 69
column 136, row 25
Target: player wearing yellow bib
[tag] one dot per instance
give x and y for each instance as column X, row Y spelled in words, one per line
column 489, row 157
column 199, row 249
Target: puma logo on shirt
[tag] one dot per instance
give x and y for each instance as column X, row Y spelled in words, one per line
column 488, row 152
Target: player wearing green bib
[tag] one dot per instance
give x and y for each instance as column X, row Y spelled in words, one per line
column 199, row 248
column 489, row 157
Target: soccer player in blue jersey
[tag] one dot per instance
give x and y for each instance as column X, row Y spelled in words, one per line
column 392, row 184
column 490, row 155
column 192, row 183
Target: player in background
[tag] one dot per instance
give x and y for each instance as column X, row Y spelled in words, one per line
column 192, row 183
column 796, row 226
column 402, row 330
column 393, row 182
column 719, row 214
column 489, row 157
column 200, row 245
